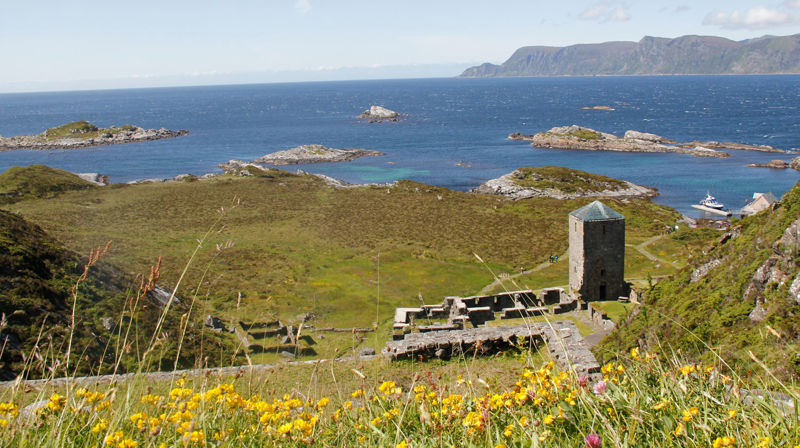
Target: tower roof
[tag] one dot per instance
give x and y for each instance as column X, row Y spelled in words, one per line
column 596, row 211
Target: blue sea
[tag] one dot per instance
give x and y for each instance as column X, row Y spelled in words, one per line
column 449, row 121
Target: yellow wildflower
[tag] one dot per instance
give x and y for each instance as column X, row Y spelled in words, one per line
column 689, row 414
column 731, row 413
column 763, row 442
column 720, row 442
column 402, row 444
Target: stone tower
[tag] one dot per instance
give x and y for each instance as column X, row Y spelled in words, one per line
column 597, row 253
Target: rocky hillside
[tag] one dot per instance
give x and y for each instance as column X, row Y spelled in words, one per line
column 652, row 56
column 37, row 276
column 740, row 294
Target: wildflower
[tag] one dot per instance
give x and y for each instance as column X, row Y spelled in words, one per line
column 731, row 413
column 357, row 393
column 763, row 442
column 195, row 437
column 583, row 381
column 549, row 419
column 680, row 430
column 509, row 431
column 56, row 403
column 592, row 440
column 127, row 443
column 402, row 444
column 100, row 426
column 720, row 442
column 3, row 423
column 634, row 355
column 689, row 414
column 500, row 445
column 389, row 388
column 600, row 388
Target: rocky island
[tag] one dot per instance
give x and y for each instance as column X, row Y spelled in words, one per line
column 779, row 164
column 304, row 154
column 581, row 138
column 561, row 183
column 82, row 134
column 376, row 114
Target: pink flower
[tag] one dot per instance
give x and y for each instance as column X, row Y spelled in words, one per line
column 583, row 381
column 600, row 388
column 592, row 440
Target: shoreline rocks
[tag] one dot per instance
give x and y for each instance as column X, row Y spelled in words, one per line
column 304, row 154
column 87, row 138
column 527, row 182
column 779, row 164
column 377, row 114
column 586, row 139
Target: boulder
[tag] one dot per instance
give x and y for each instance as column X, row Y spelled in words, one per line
column 214, row 324
column 380, row 113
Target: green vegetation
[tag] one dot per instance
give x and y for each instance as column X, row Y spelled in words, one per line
column 40, row 285
column 38, row 181
column 83, row 130
column 714, row 310
column 564, row 179
column 291, row 244
column 582, row 134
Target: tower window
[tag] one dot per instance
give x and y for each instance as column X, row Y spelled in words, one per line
column 602, row 272
column 604, row 229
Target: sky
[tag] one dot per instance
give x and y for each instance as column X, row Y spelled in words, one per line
column 85, row 44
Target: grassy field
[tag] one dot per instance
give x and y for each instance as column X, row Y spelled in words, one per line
column 277, row 245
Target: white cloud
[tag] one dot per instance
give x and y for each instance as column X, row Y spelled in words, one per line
column 793, row 4
column 302, row 6
column 754, row 18
column 606, row 12
column 684, row 8
column 593, row 12
column 619, row 15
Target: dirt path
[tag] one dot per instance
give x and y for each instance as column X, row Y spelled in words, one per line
column 498, row 281
column 642, row 250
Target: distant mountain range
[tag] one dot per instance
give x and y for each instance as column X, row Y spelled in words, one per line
column 652, row 56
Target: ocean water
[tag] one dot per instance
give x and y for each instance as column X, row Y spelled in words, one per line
column 449, row 121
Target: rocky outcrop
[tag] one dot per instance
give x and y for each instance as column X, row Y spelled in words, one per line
column 304, row 154
column 703, row 270
column 776, row 270
column 543, row 186
column 110, row 136
column 581, row 138
column 376, row 114
column 95, row 178
column 779, row 164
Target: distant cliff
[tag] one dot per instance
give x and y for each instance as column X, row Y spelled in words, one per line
column 652, row 56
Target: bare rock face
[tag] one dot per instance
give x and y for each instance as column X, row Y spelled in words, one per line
column 703, row 270
column 586, row 139
column 795, row 163
column 304, row 154
column 379, row 113
column 95, row 178
column 110, row 136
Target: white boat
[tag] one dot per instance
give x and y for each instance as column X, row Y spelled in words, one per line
column 711, row 202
